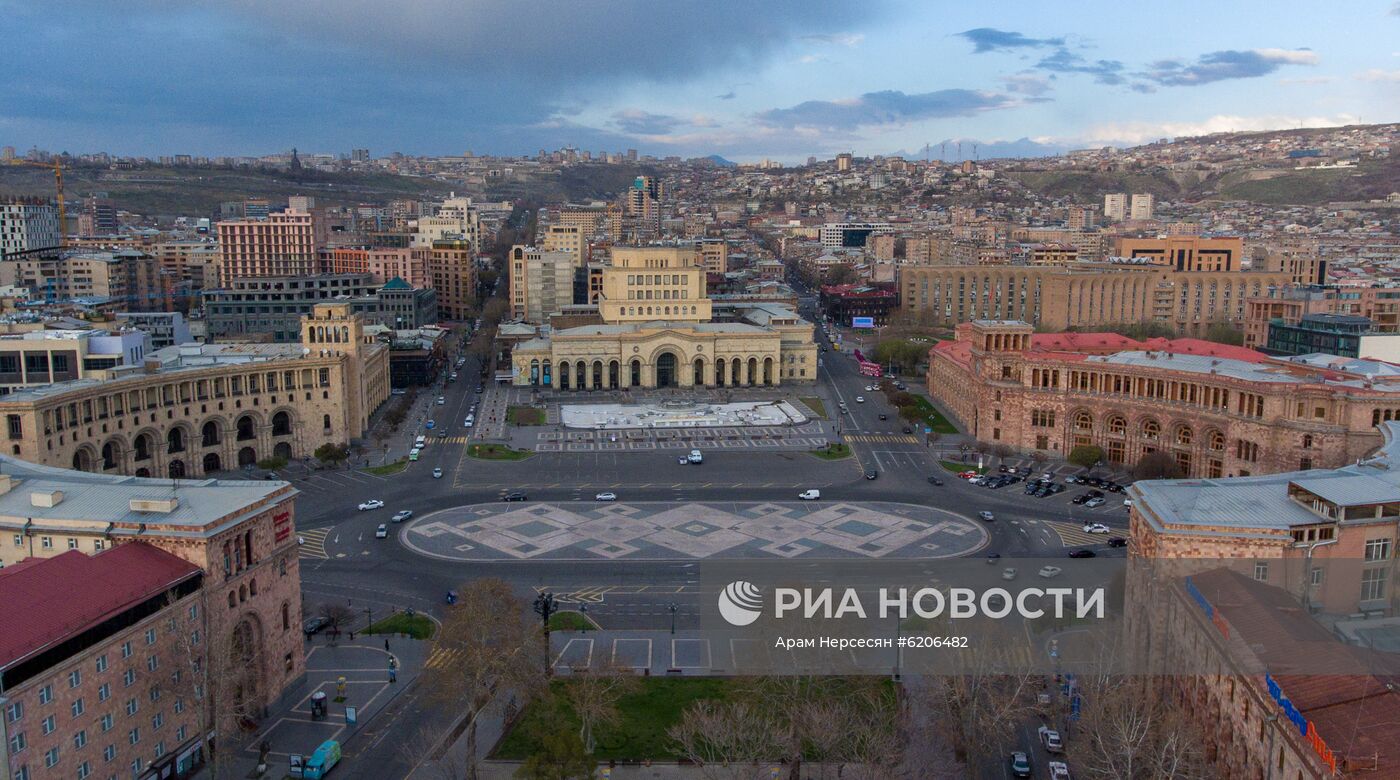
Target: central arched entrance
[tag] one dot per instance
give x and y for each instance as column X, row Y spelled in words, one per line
column 666, row 370
column 698, row 376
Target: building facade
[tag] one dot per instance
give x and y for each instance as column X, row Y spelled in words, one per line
column 1185, row 253
column 281, row 244
column 452, row 269
column 1346, row 335
column 1216, row 410
column 1380, row 305
column 44, row 357
column 273, row 308
column 541, row 282
column 27, row 225
column 195, row 409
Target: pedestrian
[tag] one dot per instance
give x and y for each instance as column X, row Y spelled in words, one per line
column 352, row 636
column 386, row 645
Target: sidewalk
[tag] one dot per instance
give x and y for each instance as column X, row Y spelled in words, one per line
column 364, row 666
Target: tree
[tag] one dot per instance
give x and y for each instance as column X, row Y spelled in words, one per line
column 1003, row 450
column 594, row 696
column 1131, row 729
column 561, row 757
column 900, row 398
column 840, row 274
column 332, row 454
column 910, row 413
column 728, row 739
column 338, row 616
column 1085, row 455
column 494, row 311
column 1157, row 465
column 497, row 648
column 1039, row 457
column 1224, row 333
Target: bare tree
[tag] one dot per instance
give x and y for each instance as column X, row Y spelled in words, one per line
column 594, row 696
column 423, row 742
column 338, row 616
column 494, row 649
column 1129, row 729
column 729, row 740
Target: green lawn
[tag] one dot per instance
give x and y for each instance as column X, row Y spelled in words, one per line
column 524, row 415
column 833, row 452
column 932, row 417
column 416, row 626
column 958, row 467
column 569, row 620
column 815, row 404
column 388, row 468
column 497, row 452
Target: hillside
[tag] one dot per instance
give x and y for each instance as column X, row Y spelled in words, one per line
column 1089, row 186
column 1371, row 179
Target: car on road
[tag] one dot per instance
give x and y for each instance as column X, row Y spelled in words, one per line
column 413, row 454
column 986, row 516
column 605, row 496
column 514, row 495
column 441, row 400
column 1020, row 764
column 437, row 473
column 844, row 410
column 373, row 503
column 1096, row 528
column 935, row 481
column 1008, row 573
column 695, row 457
column 1117, row 541
column 382, row 532
column 1050, row 738
column 1094, row 503
column 810, row 495
column 1049, row 571
column 871, row 473
column 469, row 422
column 1128, row 502
column 1086, row 553
column 884, row 416
column 870, row 388
column 313, row 625
column 993, row 558
column 1059, row 770
column 480, row 389
column 860, row 399
column 452, row 376
column 398, row 391
column 908, row 430
column 402, row 515
column 442, row 434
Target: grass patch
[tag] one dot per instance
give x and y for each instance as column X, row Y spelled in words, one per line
column 957, row 467
column 416, row 626
column 569, row 620
column 524, row 415
column 833, row 452
column 933, row 418
column 388, row 468
column 497, row 452
column 815, row 404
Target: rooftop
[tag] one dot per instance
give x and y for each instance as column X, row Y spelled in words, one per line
column 45, row 601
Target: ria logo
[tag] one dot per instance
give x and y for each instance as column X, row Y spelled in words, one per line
column 740, row 603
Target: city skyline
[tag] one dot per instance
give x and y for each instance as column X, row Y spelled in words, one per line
column 782, row 81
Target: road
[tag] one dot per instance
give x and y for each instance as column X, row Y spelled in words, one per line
column 343, row 561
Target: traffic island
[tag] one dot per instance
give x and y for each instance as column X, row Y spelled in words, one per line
column 496, row 452
column 416, row 626
column 833, row 452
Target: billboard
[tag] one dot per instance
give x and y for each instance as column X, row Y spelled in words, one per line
column 862, row 322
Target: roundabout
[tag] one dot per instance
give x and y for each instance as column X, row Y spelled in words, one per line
column 696, row 530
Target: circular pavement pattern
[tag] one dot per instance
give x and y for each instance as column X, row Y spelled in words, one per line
column 660, row 530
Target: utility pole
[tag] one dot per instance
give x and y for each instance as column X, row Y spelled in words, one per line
column 545, row 607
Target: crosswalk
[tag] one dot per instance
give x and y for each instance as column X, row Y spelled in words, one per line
column 1073, row 535
column 313, row 545
column 886, row 438
column 452, row 440
column 441, row 658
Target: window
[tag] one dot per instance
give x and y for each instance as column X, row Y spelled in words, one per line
column 133, row 736
column 1261, row 570
column 75, row 678
column 1377, row 550
column 150, row 636
column 129, row 677
column 1316, row 576
column 158, row 720
column 152, row 663
column 76, row 707
column 101, row 663
column 72, row 543
column 14, row 712
column 80, row 739
column 84, row 771
column 132, row 706
column 46, row 542
column 49, row 724
column 1373, row 584
column 51, row 757
column 126, row 649
column 109, row 752
column 17, row 743
column 106, row 722
column 105, row 692
column 21, row 774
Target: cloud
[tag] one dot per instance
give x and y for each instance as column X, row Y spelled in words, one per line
column 1224, row 65
column 985, row 39
column 886, row 108
column 837, row 39
column 1395, row 10
column 1065, row 61
column 726, row 96
column 638, row 122
column 1376, row 74
column 1131, row 133
column 1028, row 84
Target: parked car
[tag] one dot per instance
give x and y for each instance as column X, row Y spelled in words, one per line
column 515, row 495
column 314, row 625
column 373, row 503
column 1117, row 541
column 871, row 474
column 402, row 515
column 1094, row 503
column 1050, row 571
column 695, row 457
column 382, row 532
column 1050, row 738
column 441, row 400
column 1074, row 479
column 884, row 416
column 1086, row 553
column 810, row 495
column 908, row 430
column 1020, row 764
column 1059, row 770
column 1096, row 528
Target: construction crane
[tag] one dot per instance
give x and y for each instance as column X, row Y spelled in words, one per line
column 58, row 189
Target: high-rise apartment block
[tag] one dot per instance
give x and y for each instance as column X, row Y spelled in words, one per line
column 455, row 218
column 1115, row 206
column 1140, row 209
column 843, row 161
column 541, row 282
column 452, row 267
column 567, row 238
column 26, row 225
column 714, row 255
column 282, row 245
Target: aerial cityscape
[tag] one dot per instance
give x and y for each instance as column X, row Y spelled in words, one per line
column 458, row 391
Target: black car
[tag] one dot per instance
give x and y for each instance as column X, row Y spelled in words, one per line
column 1002, row 468
column 935, row 481
column 515, row 495
column 907, row 429
column 1082, row 554
column 872, row 474
column 1113, row 487
column 884, row 416
column 1079, row 499
column 313, row 625
column 1117, row 541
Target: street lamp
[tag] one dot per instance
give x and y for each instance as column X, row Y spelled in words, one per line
column 369, row 619
column 672, row 609
column 583, row 610
column 545, row 607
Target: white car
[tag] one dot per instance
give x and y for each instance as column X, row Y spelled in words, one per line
column 1008, row 573
column 870, row 388
column 469, row 422
column 1094, row 503
column 402, row 515
column 1059, row 770
column 986, row 517
column 810, row 495
column 860, row 399
column 373, row 503
column 1049, row 571
column 1097, row 528
column 382, row 532
column 605, row 497
column 1050, row 738
column 437, row 473
column 1128, row 502
column 441, row 400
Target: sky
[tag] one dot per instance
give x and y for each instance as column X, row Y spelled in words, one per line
column 744, row 79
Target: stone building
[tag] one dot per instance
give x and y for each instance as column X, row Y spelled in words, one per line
column 198, row 408
column 1217, row 410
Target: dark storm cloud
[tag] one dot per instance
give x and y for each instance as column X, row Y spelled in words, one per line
column 1223, row 66
column 885, row 108
column 985, row 39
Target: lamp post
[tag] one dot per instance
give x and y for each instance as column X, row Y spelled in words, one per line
column 672, row 609
column 369, row 619
column 583, row 610
column 545, row 607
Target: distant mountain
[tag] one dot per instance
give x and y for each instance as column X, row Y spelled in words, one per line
column 947, row 150
column 721, row 162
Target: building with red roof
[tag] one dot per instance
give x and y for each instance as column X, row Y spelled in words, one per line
column 1214, row 409
column 105, row 644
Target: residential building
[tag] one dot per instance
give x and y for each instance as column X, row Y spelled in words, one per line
column 452, row 270
column 129, row 279
column 101, row 214
column 541, row 282
column 282, row 244
column 1141, row 206
column 27, row 225
column 1380, row 305
column 44, row 357
column 714, row 255
column 272, row 308
column 163, row 329
column 850, row 235
column 1185, row 253
column 843, row 161
column 403, row 306
column 456, row 218
column 567, row 238
column 1217, row 410
column 1346, row 335
column 1115, row 206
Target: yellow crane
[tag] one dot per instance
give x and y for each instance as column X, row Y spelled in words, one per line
column 57, row 165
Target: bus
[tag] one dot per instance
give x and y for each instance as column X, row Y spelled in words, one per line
column 867, row 367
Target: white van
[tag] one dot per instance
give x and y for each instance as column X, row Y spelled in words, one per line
column 696, row 457
column 421, row 442
column 810, row 495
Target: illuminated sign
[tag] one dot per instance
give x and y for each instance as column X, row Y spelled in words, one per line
column 282, row 526
column 862, row 322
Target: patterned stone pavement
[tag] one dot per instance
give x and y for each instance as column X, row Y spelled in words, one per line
column 697, row 530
